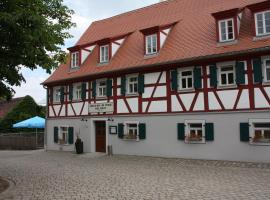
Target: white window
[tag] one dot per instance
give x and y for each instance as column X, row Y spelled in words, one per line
column 266, row 67
column 104, row 54
column 227, row 74
column 185, row 79
column 63, row 135
column 101, row 88
column 151, row 44
column 77, row 91
column 132, row 86
column 75, row 59
column 132, row 131
column 226, row 30
column 261, row 132
column 56, row 94
column 262, row 21
column 195, row 131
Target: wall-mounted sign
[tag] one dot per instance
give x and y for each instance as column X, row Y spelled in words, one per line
column 100, row 107
column 113, row 129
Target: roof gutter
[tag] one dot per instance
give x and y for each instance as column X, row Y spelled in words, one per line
column 173, row 62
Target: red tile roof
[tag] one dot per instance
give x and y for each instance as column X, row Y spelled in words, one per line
column 7, row 106
column 194, row 36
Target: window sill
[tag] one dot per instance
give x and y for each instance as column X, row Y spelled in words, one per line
column 261, row 37
column 227, row 86
column 131, row 140
column 101, row 98
column 75, row 100
column 227, row 43
column 147, row 56
column 266, row 83
column 260, row 143
column 195, row 142
column 64, row 144
column 187, row 90
column 102, row 64
column 132, row 94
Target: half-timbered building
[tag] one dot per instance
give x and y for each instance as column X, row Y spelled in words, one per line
column 180, row 78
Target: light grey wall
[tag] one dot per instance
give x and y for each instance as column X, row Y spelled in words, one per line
column 161, row 137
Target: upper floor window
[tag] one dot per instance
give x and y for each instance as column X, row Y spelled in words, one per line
column 57, row 94
column 266, row 66
column 226, row 30
column 101, row 88
column 185, row 79
column 77, row 92
column 104, row 54
column 227, row 74
column 132, row 84
column 151, row 44
column 262, row 21
column 75, row 59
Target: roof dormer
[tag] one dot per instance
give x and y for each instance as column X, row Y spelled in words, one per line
column 227, row 25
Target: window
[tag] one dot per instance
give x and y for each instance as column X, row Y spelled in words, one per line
column 185, row 79
column 226, row 30
column 77, row 92
column 132, row 84
column 75, row 59
column 63, row 135
column 262, row 21
column 195, row 131
column 132, row 131
column 104, row 54
column 101, row 88
column 151, row 44
column 227, row 74
column 266, row 64
column 57, row 94
column 261, row 132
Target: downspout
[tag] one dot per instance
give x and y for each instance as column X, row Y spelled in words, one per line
column 46, row 117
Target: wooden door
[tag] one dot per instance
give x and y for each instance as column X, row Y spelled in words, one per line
column 100, row 136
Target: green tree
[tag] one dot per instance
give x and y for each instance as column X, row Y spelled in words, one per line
column 31, row 35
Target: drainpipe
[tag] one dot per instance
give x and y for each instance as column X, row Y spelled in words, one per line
column 45, row 128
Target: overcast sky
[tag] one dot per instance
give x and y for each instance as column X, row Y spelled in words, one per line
column 86, row 11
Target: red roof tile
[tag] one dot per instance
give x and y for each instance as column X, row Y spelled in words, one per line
column 193, row 36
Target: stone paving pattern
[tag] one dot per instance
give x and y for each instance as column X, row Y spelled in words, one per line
column 62, row 175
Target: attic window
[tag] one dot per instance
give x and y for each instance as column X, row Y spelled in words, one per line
column 151, row 44
column 262, row 22
column 226, row 30
column 104, row 54
column 75, row 59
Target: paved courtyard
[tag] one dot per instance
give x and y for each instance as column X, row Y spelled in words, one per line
column 60, row 175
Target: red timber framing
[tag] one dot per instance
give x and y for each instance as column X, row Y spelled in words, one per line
column 249, row 86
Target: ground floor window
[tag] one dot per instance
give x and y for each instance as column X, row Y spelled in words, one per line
column 131, row 132
column 194, row 132
column 261, row 132
column 63, row 135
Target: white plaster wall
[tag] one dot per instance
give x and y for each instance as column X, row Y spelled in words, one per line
column 176, row 107
column 158, row 106
column 260, row 101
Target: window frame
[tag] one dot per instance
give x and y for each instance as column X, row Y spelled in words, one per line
column 102, row 58
column 180, row 77
column 264, row 60
column 57, row 98
column 128, row 77
column 126, row 130
column 103, row 87
column 227, row 32
column 75, row 64
column 152, row 47
column 223, row 65
column 252, row 129
column 75, row 97
column 60, row 132
column 187, row 131
column 264, row 24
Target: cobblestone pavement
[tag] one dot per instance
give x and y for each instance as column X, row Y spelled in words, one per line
column 60, row 175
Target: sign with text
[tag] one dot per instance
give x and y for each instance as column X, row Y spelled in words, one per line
column 100, row 107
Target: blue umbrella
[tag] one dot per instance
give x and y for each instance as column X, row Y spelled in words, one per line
column 35, row 122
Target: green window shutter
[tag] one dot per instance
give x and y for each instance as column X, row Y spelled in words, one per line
column 123, row 85
column 70, row 90
column 174, row 80
column 62, row 94
column 109, row 87
column 197, row 77
column 51, row 95
column 83, row 91
column 257, row 70
column 141, row 84
column 209, row 132
column 70, row 135
column 240, row 73
column 213, row 75
column 94, row 88
column 181, row 131
column 121, row 131
column 244, row 132
column 55, row 134
column 142, row 131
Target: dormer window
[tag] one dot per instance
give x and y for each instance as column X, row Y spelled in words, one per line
column 151, row 44
column 104, row 54
column 226, row 30
column 262, row 22
column 75, row 61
